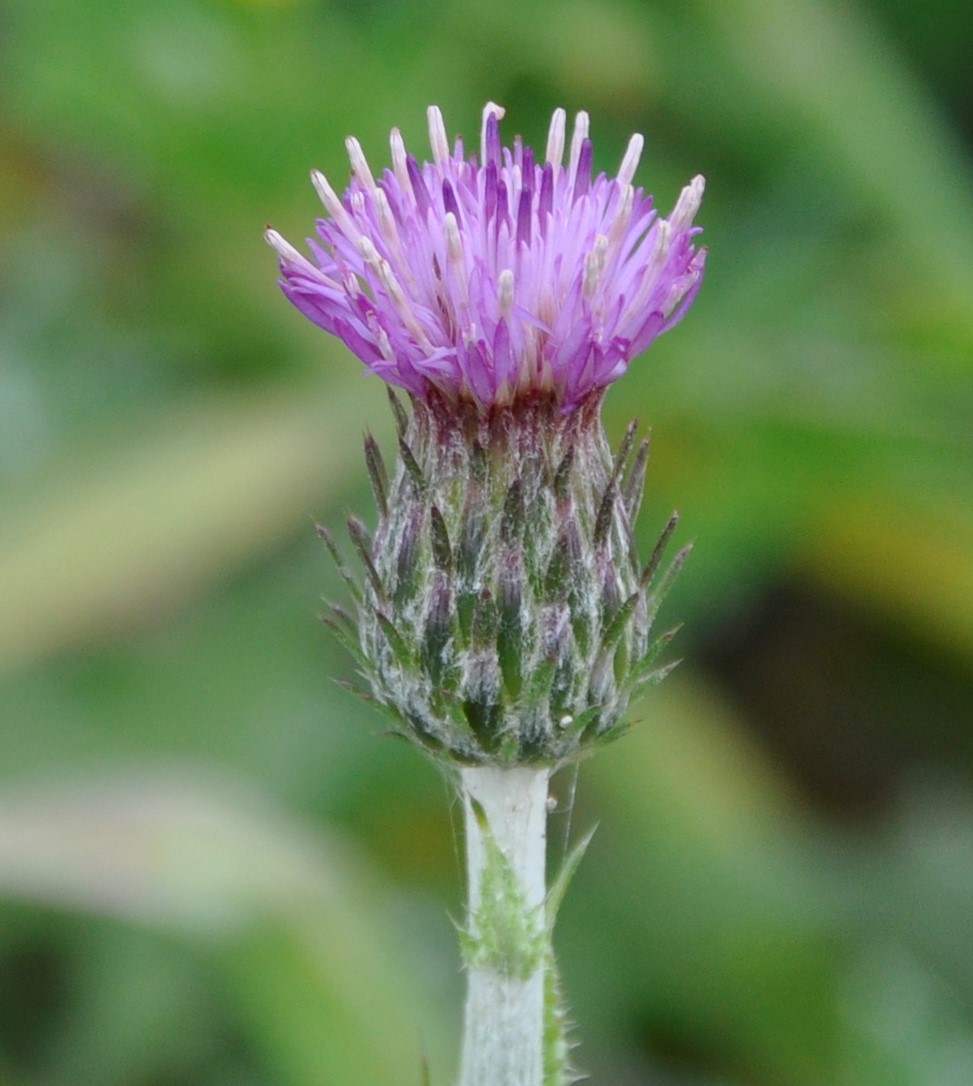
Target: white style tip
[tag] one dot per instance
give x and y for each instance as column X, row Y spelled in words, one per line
column 491, row 109
column 359, row 163
column 582, row 124
column 284, row 248
column 438, row 140
column 326, row 193
column 555, row 139
column 397, row 147
column 630, row 163
column 454, row 244
column 505, row 282
column 688, row 203
column 287, row 253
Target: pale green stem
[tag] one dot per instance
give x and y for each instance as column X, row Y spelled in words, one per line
column 505, row 814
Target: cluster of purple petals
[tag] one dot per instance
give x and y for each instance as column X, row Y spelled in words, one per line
column 495, row 277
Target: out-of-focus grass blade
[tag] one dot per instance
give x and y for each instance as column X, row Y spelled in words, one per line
column 119, row 540
column 294, row 921
column 829, row 65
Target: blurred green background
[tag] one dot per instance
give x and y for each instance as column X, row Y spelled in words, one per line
column 213, row 867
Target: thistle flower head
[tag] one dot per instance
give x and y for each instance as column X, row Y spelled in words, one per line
column 496, row 278
column 503, row 616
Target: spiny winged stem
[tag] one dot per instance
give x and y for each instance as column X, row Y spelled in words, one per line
column 506, row 940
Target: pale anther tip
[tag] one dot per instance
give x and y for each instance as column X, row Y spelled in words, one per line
column 505, row 281
column 367, row 248
column 319, row 181
column 283, row 248
column 438, row 139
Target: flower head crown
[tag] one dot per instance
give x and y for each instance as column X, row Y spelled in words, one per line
column 500, row 278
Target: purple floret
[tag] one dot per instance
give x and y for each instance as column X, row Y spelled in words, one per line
column 496, row 281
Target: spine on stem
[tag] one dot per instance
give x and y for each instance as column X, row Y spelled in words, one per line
column 505, row 941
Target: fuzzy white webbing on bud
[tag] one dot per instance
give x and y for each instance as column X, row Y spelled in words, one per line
column 505, row 814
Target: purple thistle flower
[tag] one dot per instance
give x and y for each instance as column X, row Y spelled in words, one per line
column 498, row 279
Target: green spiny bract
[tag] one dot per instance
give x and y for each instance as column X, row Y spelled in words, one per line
column 504, row 616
